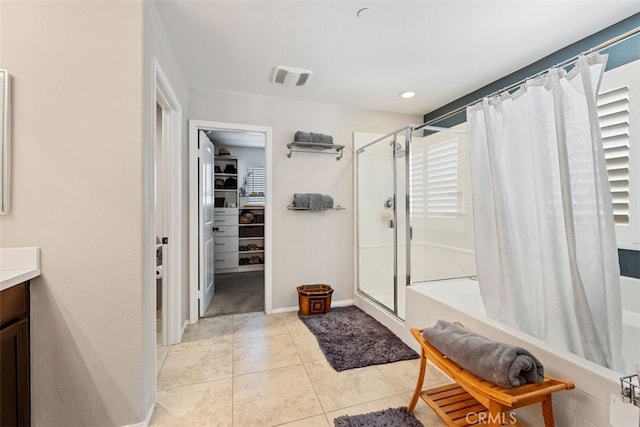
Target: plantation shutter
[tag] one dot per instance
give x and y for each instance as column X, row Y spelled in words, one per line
column 442, row 179
column 256, row 185
column 613, row 112
column 416, row 183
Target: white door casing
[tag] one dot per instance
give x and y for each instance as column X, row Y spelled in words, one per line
column 172, row 254
column 194, row 259
column 206, row 196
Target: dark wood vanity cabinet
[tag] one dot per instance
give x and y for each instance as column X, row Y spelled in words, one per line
column 14, row 356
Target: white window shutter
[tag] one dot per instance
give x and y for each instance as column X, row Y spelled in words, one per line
column 256, row 185
column 613, row 112
column 442, row 179
column 416, row 183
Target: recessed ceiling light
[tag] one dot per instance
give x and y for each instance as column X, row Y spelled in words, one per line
column 364, row 12
column 406, row 94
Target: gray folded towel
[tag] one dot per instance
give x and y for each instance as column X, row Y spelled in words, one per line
column 315, row 201
column 302, row 136
column 301, row 200
column 327, row 202
column 502, row 364
column 312, row 137
column 321, row 138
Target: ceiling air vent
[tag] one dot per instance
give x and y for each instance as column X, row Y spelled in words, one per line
column 290, row 76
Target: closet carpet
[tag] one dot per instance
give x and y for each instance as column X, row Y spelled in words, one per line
column 237, row 293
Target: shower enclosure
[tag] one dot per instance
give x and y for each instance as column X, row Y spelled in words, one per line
column 414, row 221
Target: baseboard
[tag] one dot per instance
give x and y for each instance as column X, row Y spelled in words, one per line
column 341, row 303
column 184, row 328
column 284, row 310
column 146, row 421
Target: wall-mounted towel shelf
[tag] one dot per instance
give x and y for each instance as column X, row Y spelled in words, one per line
column 295, row 208
column 315, row 147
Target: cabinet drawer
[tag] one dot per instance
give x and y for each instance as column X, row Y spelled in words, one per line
column 13, row 303
column 225, row 220
column 225, row 244
column 226, row 230
column 226, row 212
column 226, row 260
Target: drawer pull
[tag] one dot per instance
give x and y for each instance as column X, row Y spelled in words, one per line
column 221, row 259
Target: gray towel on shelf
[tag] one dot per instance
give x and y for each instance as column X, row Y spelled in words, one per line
column 312, row 137
column 502, row 364
column 321, row 138
column 301, row 200
column 327, row 202
column 315, row 201
column 302, row 136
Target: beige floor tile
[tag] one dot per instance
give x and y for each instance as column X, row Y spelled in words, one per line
column 262, row 353
column 296, row 325
column 273, row 397
column 161, row 355
column 252, row 325
column 338, row 390
column 394, row 401
column 268, row 370
column 219, row 329
column 403, row 375
column 317, row 421
column 206, row 404
column 196, row 364
column 307, row 346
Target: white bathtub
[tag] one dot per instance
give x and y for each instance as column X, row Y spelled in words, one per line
column 459, row 300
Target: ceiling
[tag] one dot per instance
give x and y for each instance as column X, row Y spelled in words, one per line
column 439, row 49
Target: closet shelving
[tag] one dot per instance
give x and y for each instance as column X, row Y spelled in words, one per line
column 226, row 195
column 315, row 147
column 251, row 239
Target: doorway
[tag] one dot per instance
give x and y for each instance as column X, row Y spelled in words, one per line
column 233, row 274
column 167, row 217
column 159, row 171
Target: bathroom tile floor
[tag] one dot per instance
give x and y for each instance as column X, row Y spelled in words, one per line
column 268, row 370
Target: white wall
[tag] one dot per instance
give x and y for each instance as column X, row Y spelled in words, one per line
column 82, row 191
column 77, row 131
column 307, row 247
column 156, row 45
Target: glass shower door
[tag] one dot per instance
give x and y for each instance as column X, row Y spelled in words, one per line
column 381, row 222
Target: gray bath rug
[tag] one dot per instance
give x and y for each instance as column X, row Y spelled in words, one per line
column 350, row 338
column 392, row 417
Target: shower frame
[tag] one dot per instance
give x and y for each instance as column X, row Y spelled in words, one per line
column 408, row 135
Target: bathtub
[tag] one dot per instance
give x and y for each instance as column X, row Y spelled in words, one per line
column 587, row 405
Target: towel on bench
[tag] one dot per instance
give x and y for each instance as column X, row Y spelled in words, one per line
column 502, row 364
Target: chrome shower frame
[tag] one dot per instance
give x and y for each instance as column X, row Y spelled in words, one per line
column 408, row 135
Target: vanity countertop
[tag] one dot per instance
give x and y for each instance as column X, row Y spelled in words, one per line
column 18, row 265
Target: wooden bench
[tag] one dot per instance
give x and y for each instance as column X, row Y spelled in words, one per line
column 472, row 400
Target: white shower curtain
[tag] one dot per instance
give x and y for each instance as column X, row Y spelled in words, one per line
column 545, row 239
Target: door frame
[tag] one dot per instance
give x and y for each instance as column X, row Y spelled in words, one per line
column 172, row 260
column 194, row 127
